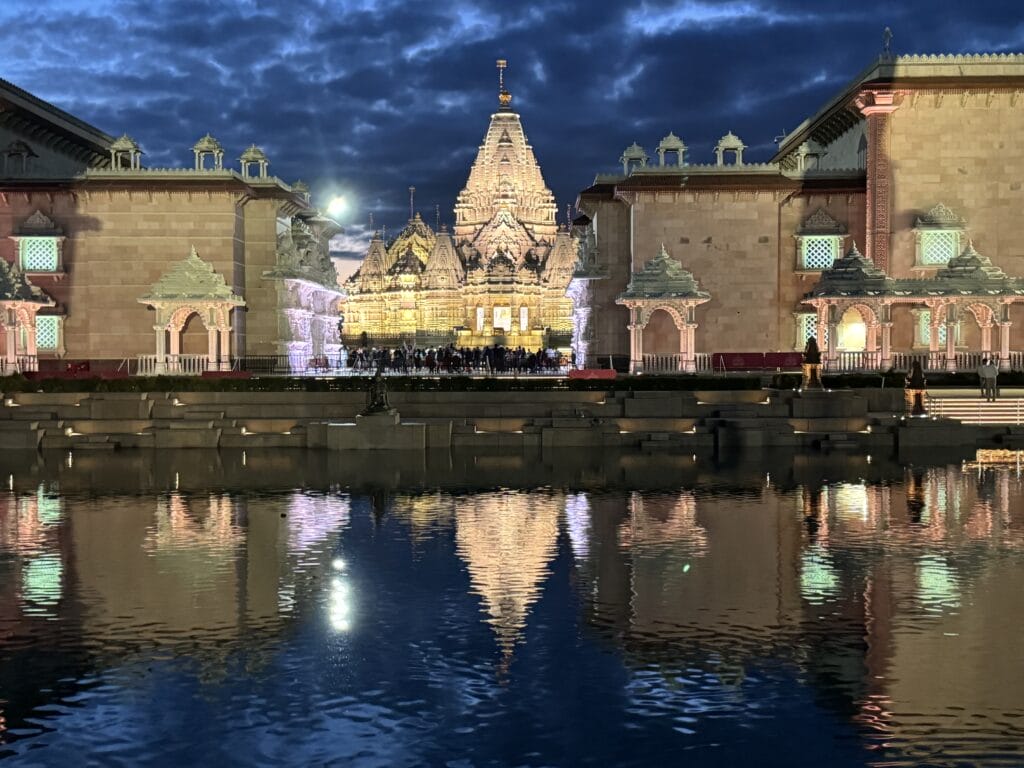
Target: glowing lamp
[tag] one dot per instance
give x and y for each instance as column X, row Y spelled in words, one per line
column 337, row 207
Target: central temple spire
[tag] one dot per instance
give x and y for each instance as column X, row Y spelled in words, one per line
column 504, row 97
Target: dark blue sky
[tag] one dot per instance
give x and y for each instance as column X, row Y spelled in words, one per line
column 371, row 96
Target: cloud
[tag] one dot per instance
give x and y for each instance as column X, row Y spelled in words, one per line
column 372, row 96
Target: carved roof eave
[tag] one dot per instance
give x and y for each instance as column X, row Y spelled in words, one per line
column 919, row 289
column 326, row 226
column 298, row 275
column 589, row 272
column 696, row 297
column 54, row 121
column 314, row 285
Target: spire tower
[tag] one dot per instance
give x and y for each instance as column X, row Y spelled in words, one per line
column 504, row 97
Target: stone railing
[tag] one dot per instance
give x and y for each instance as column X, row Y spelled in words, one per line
column 855, row 361
column 173, row 365
column 663, row 363
column 20, row 364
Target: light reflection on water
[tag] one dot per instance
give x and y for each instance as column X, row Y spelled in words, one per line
column 494, row 610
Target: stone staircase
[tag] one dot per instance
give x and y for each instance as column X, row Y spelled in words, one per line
column 975, row 410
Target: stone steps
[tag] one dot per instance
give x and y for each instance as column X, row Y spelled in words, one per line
column 976, row 410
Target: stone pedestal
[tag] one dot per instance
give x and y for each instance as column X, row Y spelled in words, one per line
column 382, row 431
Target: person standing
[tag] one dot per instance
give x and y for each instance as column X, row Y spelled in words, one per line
column 987, row 374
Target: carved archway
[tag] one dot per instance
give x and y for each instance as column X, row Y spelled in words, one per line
column 191, row 288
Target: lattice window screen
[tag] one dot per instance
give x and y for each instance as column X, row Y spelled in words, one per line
column 47, row 332
column 38, row 254
column 939, row 247
column 818, row 252
column 806, row 327
column 924, row 329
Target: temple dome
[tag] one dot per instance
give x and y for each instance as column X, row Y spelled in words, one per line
column 125, row 143
column 207, row 144
column 254, row 155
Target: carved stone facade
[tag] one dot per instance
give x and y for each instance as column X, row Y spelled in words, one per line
column 912, row 161
column 93, row 228
column 501, row 275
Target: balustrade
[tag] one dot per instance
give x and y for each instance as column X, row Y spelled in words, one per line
column 663, row 363
column 175, row 365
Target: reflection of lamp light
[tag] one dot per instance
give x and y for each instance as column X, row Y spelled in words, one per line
column 339, row 606
column 938, row 589
column 818, row 578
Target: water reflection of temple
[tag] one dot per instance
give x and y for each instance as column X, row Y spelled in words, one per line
column 95, row 580
column 507, row 541
column 883, row 596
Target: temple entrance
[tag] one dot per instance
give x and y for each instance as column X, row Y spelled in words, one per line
column 852, row 332
column 661, row 336
column 502, row 319
column 194, row 338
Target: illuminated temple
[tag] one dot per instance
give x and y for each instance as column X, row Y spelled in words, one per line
column 499, row 277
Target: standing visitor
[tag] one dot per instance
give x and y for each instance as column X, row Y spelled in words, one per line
column 987, row 374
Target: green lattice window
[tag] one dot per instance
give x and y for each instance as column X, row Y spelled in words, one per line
column 39, row 254
column 48, row 328
column 818, row 251
column 937, row 247
column 924, row 330
column 806, row 327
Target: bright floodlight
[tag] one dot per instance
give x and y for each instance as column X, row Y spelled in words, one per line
column 337, row 206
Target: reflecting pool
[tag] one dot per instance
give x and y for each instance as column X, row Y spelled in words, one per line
column 290, row 608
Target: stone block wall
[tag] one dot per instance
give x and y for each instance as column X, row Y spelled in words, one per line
column 961, row 149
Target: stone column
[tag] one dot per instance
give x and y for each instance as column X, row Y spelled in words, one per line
column 30, row 339
column 11, row 352
column 950, row 345
column 871, row 343
column 636, row 341
column 886, row 362
column 211, row 349
column 832, row 349
column 876, row 106
column 225, row 349
column 161, row 350
column 175, row 340
column 933, row 336
column 687, row 339
column 1004, row 345
column 986, row 340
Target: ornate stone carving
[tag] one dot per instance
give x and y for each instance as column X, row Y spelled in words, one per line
column 940, row 217
column 821, row 223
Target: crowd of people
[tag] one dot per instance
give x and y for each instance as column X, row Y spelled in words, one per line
column 451, row 359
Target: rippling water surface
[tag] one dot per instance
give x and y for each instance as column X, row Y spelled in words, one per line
column 616, row 609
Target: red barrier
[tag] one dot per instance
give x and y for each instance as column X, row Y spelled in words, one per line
column 737, row 361
column 592, row 373
column 76, row 374
column 792, row 361
column 756, row 361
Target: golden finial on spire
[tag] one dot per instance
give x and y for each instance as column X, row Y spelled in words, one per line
column 504, row 97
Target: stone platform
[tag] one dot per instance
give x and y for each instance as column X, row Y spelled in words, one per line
column 656, row 421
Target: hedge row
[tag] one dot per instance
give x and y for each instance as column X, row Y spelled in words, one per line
column 361, row 384
column 468, row 384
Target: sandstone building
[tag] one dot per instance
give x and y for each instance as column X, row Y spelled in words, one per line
column 152, row 269
column 499, row 277
column 884, row 225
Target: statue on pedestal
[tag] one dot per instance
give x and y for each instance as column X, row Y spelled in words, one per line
column 915, row 389
column 811, row 365
column 377, row 394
